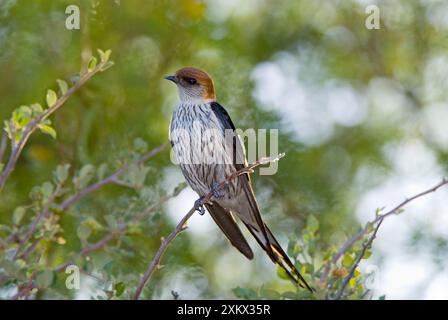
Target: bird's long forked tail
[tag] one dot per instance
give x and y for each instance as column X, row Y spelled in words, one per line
column 268, row 242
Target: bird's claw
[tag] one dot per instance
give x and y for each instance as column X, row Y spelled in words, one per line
column 217, row 191
column 199, row 206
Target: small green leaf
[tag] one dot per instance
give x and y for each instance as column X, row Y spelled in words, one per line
column 45, row 278
column 101, row 172
column 37, row 108
column 104, row 55
column 270, row 294
column 282, row 273
column 62, row 173
column 92, row 224
column 367, row 254
column 111, row 221
column 48, row 130
column 83, row 231
column 63, row 86
column 140, row 145
column 18, row 214
column 119, row 288
column 47, row 189
column 312, row 224
column 347, row 260
column 2, row 165
column 85, row 175
column 52, row 97
column 92, row 64
column 245, row 293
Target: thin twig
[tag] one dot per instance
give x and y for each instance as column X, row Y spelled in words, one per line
column 76, row 197
column 113, row 234
column 16, row 149
column 365, row 246
column 347, row 245
column 181, row 226
column 113, row 178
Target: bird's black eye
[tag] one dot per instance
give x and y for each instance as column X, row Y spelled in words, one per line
column 191, row 80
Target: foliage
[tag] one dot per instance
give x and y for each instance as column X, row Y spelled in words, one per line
column 276, row 64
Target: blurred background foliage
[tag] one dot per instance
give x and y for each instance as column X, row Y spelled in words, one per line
column 362, row 116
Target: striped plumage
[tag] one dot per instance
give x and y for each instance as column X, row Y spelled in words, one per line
column 208, row 151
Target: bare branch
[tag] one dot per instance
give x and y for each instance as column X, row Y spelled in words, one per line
column 181, row 226
column 377, row 221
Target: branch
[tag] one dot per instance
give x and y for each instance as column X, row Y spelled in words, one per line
column 377, row 221
column 110, row 179
column 181, row 226
column 350, row 275
column 16, row 148
column 113, row 234
column 81, row 194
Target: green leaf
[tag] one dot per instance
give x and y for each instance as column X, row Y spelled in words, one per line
column 245, row 293
column 52, row 97
column 111, row 221
column 47, row 189
column 104, row 55
column 37, row 108
column 101, row 172
column 140, row 145
column 367, row 254
column 45, row 278
column 63, row 86
column 312, row 224
column 18, row 214
column 282, row 273
column 119, row 288
column 136, row 175
column 2, row 165
column 270, row 294
column 62, row 173
column 85, row 175
column 92, row 64
column 83, row 231
column 48, row 130
column 92, row 224
column 347, row 260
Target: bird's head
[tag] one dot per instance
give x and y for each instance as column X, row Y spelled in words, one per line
column 194, row 85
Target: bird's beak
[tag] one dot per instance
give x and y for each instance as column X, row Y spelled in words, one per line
column 171, row 78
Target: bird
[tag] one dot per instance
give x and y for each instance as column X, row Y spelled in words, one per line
column 208, row 151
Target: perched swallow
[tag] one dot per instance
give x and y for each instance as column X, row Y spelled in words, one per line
column 208, row 151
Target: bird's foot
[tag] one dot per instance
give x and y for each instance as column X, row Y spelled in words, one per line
column 199, row 206
column 217, row 191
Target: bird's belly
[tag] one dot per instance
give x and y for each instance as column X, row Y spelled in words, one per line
column 204, row 155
